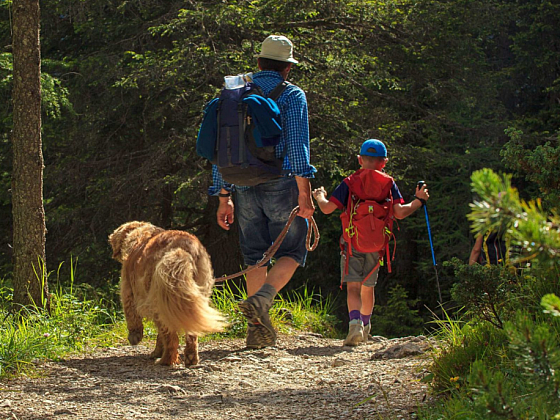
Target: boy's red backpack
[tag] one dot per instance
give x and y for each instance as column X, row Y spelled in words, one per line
column 367, row 222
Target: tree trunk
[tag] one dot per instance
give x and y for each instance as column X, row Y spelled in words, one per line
column 30, row 281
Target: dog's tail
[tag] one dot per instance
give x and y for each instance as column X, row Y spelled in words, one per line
column 181, row 289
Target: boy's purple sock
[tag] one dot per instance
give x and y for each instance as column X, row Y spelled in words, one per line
column 365, row 318
column 354, row 315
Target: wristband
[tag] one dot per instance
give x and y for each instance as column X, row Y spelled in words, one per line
column 224, row 195
column 421, row 200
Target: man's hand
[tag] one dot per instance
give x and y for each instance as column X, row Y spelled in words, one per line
column 306, row 207
column 225, row 213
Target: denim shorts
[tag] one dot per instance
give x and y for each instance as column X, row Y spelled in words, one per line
column 359, row 266
column 261, row 213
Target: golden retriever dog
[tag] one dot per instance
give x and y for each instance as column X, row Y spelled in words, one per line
column 167, row 277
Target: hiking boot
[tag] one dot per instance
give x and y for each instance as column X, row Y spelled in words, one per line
column 355, row 334
column 255, row 309
column 367, row 329
column 252, row 334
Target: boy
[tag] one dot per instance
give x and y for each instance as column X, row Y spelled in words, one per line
column 360, row 266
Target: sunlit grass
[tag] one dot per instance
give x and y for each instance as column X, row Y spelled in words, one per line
column 30, row 334
column 299, row 310
column 304, row 310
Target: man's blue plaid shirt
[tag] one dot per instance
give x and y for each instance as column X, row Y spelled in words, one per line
column 295, row 131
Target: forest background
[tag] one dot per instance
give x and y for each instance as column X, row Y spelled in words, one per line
column 449, row 86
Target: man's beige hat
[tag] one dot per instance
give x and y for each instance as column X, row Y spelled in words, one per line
column 279, row 48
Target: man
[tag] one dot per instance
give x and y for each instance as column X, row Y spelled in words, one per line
column 262, row 211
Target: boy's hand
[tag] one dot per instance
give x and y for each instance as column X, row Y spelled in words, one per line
column 422, row 192
column 319, row 192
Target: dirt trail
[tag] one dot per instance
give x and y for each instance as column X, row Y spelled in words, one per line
column 305, row 377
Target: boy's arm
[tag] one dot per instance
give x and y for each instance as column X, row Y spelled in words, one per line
column 325, row 205
column 404, row 210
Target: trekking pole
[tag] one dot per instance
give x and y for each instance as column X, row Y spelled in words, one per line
column 420, row 184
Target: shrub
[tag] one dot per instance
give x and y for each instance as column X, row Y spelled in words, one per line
column 397, row 318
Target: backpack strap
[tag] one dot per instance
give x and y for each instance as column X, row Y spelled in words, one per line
column 346, row 247
column 241, row 124
column 372, row 271
column 274, row 95
column 346, row 252
column 278, row 90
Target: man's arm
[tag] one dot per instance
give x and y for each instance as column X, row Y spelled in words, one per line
column 296, row 134
column 306, row 207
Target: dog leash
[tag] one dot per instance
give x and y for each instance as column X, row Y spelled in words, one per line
column 276, row 244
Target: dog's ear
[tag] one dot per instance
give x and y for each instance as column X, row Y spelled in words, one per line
column 114, row 246
column 118, row 239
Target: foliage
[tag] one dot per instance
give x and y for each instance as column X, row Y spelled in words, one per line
column 522, row 383
column 303, row 310
column 538, row 163
column 484, row 290
column 514, row 373
column 397, row 318
column 465, row 343
column 526, row 222
column 32, row 335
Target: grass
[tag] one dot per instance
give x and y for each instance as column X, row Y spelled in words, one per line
column 79, row 317
column 32, row 335
column 304, row 310
column 83, row 318
column 299, row 310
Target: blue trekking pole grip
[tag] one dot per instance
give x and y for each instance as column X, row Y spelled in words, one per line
column 420, row 184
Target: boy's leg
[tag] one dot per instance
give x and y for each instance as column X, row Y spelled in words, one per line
column 368, row 300
column 354, row 302
column 368, row 291
column 353, row 298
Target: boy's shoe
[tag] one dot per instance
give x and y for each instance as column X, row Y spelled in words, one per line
column 367, row 329
column 255, row 309
column 355, row 334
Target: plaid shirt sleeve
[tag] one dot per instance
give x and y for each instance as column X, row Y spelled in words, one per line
column 296, row 133
column 218, row 183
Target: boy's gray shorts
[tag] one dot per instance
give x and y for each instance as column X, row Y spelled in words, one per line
column 359, row 266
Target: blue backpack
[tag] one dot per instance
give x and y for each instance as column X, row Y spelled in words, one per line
column 239, row 134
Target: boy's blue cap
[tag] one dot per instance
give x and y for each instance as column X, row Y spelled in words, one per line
column 373, row 147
